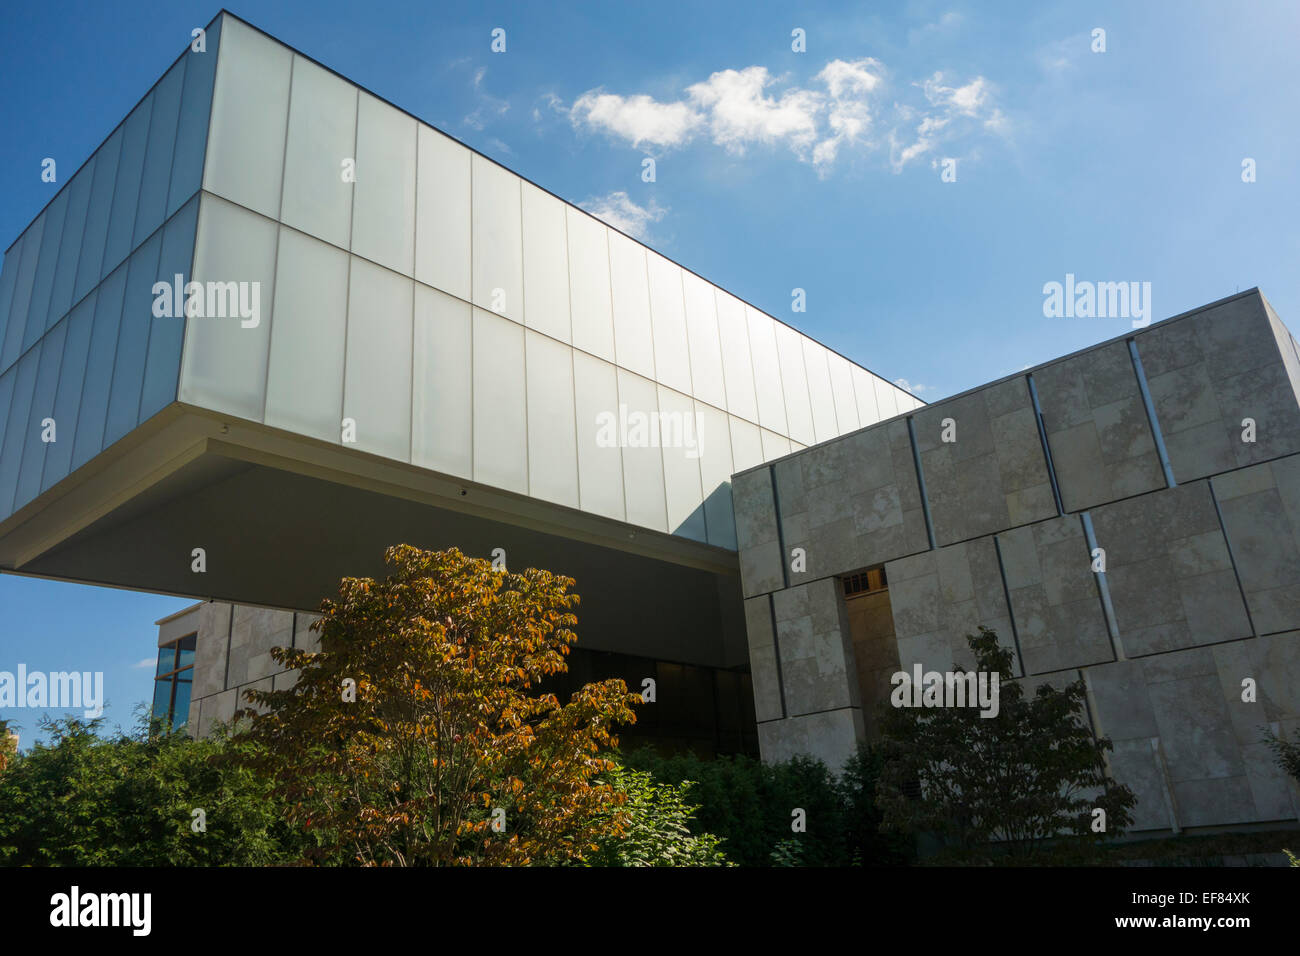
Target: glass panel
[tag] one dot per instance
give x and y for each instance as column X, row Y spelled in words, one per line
column 67, row 403
column 47, row 383
column 643, row 464
column 167, row 333
column 819, row 391
column 224, row 365
column 500, row 444
column 600, row 463
column 166, row 660
column 798, row 407
column 737, row 365
column 181, row 705
column 31, row 250
column 767, row 369
column 192, row 126
column 184, row 655
column 99, row 368
column 74, row 226
column 672, row 361
column 322, row 134
column 151, row 207
column 7, row 381
column 885, row 398
column 133, row 340
column 590, row 304
column 498, row 242
column 715, row 475
column 7, row 276
column 126, row 194
column 552, row 443
column 546, row 264
column 865, row 393
column 679, row 437
column 442, row 393
column 442, row 241
column 846, row 403
column 97, row 210
column 38, row 310
column 16, row 427
column 383, row 213
column 702, row 334
column 377, row 383
column 746, row 445
column 774, row 445
column 633, row 341
column 304, row 389
column 162, row 699
column 250, row 106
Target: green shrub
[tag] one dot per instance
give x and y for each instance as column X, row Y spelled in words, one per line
column 657, row 829
column 750, row 805
column 129, row 800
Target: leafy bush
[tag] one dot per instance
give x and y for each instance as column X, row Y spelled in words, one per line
column 1288, row 754
column 749, row 805
column 1013, row 781
column 656, row 827
column 129, row 800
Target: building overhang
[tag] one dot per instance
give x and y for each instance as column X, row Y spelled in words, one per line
column 281, row 518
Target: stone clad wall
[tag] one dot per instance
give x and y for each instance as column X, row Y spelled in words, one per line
column 1201, row 587
column 233, row 655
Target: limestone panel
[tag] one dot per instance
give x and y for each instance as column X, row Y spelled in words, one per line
column 1136, row 764
column 940, row 597
column 1097, row 428
column 217, row 709
column 818, row 671
column 832, row 737
column 1169, row 572
column 756, row 532
column 210, row 650
column 1210, row 370
column 254, row 631
column 764, row 674
column 852, row 503
column 1261, row 516
column 992, row 474
column 1054, row 598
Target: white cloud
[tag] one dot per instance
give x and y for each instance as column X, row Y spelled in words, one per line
column 638, row 119
column 966, row 100
column 490, row 107
column 840, row 107
column 144, row 662
column 1063, row 55
column 849, row 84
column 951, row 110
column 740, row 112
column 623, row 214
column 907, row 386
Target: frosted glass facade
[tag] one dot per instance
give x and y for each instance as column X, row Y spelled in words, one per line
column 368, row 282
column 83, row 358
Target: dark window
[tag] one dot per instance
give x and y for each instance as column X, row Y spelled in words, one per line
column 173, row 681
column 865, row 582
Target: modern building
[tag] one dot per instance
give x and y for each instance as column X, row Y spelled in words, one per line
column 275, row 324
column 1169, row 457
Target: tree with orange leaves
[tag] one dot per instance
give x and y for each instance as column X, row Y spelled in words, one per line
column 417, row 734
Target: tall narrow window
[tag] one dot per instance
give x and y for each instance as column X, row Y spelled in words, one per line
column 173, row 682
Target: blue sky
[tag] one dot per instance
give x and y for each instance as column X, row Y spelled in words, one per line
column 819, row 170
